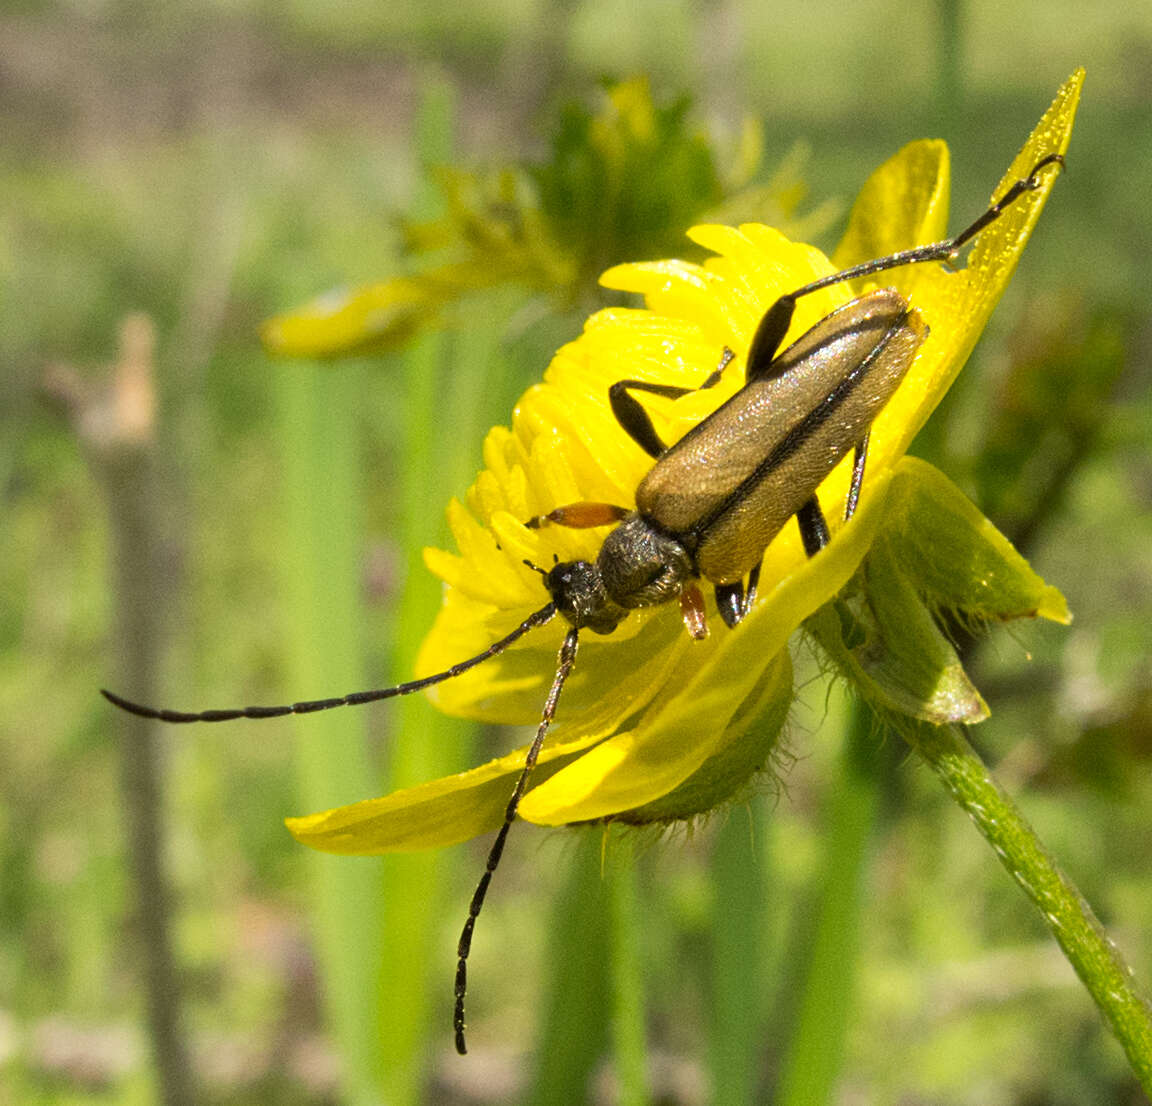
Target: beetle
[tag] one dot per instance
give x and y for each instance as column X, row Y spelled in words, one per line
column 711, row 502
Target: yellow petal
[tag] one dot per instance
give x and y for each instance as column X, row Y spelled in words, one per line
column 376, row 317
column 903, row 204
column 957, row 305
column 431, row 815
column 669, row 701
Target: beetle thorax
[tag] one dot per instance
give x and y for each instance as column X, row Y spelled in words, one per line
column 642, row 567
column 637, row 567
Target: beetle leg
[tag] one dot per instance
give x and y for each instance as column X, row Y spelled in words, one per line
column 750, row 591
column 766, row 341
column 636, row 422
column 859, row 457
column 813, row 527
column 735, row 600
column 726, row 359
column 633, row 418
column 565, row 661
column 692, row 611
column 730, row 602
column 581, row 516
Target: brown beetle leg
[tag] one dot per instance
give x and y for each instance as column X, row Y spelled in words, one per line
column 692, row 611
column 581, row 516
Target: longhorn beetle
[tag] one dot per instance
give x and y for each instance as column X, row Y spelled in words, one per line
column 712, row 501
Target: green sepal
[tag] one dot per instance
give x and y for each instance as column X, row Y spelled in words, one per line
column 935, row 553
column 956, row 558
column 882, row 633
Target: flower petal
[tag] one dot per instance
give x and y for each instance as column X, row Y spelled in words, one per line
column 674, row 705
column 373, row 317
column 727, row 775
column 903, row 203
column 600, row 693
column 431, row 815
column 956, row 305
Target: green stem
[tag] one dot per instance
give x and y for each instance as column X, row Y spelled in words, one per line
column 320, row 559
column 423, row 744
column 1097, row 961
column 815, row 1055
column 626, row 984
column 738, row 932
column 949, row 67
column 573, row 1031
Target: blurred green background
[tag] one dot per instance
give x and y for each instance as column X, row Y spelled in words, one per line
column 170, row 176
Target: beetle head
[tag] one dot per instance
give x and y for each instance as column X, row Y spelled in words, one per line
column 577, row 589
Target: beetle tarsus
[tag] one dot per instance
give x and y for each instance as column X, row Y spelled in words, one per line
column 730, row 603
column 717, row 374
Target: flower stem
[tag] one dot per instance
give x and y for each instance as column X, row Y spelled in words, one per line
column 1096, row 959
column 626, row 984
column 423, row 745
column 573, row 1031
column 743, row 913
column 319, row 563
column 813, row 1063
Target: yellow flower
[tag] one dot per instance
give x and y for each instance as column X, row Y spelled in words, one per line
column 652, row 725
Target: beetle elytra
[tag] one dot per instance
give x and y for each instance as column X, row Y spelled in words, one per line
column 712, row 501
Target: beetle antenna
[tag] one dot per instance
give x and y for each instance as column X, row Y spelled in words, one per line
column 564, row 662
column 543, row 571
column 310, row 706
column 938, row 251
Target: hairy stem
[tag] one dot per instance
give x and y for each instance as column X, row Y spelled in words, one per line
column 1096, row 959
